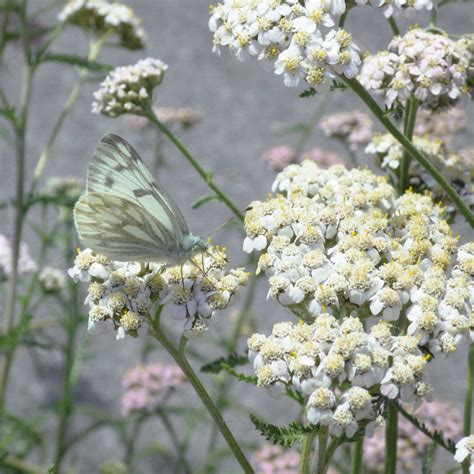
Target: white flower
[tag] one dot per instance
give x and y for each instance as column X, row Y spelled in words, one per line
column 464, row 449
column 52, row 279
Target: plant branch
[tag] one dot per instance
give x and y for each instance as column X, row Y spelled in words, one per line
column 306, row 453
column 391, row 438
column 207, row 177
column 468, row 401
column 357, row 87
column 409, row 127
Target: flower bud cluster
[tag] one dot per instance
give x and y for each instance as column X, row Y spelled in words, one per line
column 102, row 16
column 433, row 67
column 129, row 89
column 456, row 167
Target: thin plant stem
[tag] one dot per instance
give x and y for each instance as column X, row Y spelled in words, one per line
column 305, row 457
column 186, row 468
column 468, row 401
column 320, row 462
column 72, row 325
column 20, row 156
column 180, row 358
column 357, row 87
column 94, row 51
column 19, row 465
column 393, row 26
column 391, row 438
column 225, row 383
column 207, row 177
column 357, row 456
column 409, row 127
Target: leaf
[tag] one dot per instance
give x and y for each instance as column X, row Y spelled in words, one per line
column 17, row 436
column 285, row 436
column 335, row 86
column 74, row 60
column 12, row 338
column 309, row 92
column 437, row 436
column 216, row 366
column 397, row 112
column 428, row 459
column 204, row 200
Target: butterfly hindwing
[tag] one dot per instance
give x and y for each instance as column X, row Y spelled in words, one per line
column 121, row 229
column 117, row 169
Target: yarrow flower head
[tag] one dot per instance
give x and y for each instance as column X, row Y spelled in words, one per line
column 431, row 66
column 354, row 127
column 102, row 16
column 146, row 385
column 52, row 279
column 62, row 190
column 129, row 89
column 25, row 263
column 464, row 450
column 121, row 294
column 458, row 168
column 338, row 248
column 290, row 34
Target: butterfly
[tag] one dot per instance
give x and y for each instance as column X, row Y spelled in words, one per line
column 126, row 215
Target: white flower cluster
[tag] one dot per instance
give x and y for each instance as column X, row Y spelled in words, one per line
column 102, row 16
column 288, row 33
column 340, row 369
column 354, row 127
column 52, row 279
column 121, row 294
column 431, row 66
column 129, row 89
column 456, row 167
column 465, row 450
column 340, row 249
column 401, row 7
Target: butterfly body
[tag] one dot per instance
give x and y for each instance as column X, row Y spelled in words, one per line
column 126, row 215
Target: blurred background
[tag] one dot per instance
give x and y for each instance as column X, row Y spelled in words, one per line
column 244, row 109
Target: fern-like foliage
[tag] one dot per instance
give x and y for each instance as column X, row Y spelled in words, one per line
column 311, row 92
column 285, row 436
column 436, row 436
column 227, row 364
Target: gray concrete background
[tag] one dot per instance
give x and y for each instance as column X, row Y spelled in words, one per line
column 241, row 103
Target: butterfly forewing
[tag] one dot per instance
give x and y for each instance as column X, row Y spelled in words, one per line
column 117, row 169
column 125, row 214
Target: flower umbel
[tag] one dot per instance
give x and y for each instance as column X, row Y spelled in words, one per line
column 121, row 295
column 129, row 89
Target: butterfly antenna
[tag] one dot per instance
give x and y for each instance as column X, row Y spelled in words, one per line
column 203, row 273
column 228, row 220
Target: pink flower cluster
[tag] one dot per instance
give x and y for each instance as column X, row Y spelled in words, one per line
column 145, row 386
column 279, row 157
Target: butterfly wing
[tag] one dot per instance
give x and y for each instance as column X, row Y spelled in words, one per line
column 125, row 214
column 121, row 229
column 116, row 168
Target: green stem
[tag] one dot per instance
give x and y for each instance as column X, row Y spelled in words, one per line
column 393, row 26
column 207, row 177
column 94, row 51
column 72, row 325
column 409, row 127
column 357, row 456
column 468, row 401
column 21, row 466
column 185, row 366
column 306, row 454
column 357, row 87
column 391, row 438
column 186, row 468
column 320, row 462
column 20, row 155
